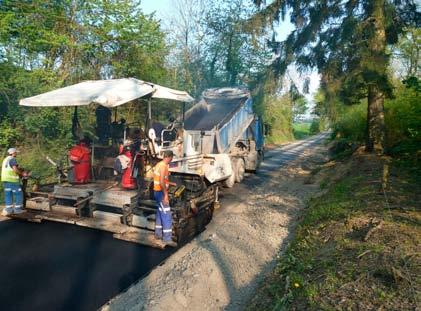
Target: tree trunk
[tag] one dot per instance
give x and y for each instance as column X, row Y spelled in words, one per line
column 378, row 61
column 229, row 63
column 375, row 120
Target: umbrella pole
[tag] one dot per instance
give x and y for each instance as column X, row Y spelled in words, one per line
column 184, row 113
column 92, row 161
column 149, row 112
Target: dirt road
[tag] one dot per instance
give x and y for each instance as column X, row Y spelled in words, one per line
column 222, row 267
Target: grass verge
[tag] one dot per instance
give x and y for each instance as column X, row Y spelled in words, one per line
column 357, row 246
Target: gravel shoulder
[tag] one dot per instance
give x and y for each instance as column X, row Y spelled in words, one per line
column 222, row 267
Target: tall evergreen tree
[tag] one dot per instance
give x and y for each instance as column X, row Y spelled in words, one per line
column 347, row 41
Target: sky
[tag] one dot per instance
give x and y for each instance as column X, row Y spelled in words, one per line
column 163, row 9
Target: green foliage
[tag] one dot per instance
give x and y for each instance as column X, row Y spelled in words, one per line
column 278, row 117
column 276, row 109
column 83, row 40
column 402, row 118
column 413, row 83
column 8, row 135
column 301, row 130
column 351, row 124
column 33, row 158
column 407, row 52
column 45, row 122
column 317, row 125
column 212, row 47
column 299, row 107
column 346, row 41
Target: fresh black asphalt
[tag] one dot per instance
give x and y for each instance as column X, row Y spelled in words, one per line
column 52, row 266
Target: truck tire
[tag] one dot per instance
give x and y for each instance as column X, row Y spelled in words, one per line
column 260, row 158
column 261, row 155
column 230, row 181
column 240, row 170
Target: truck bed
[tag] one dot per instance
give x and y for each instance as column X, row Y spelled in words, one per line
column 213, row 112
column 225, row 114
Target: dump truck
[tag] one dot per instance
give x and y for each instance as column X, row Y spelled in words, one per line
column 214, row 143
column 223, row 123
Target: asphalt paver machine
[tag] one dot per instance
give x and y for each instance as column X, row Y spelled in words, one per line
column 213, row 143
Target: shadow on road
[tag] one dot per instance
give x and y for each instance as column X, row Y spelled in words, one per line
column 274, row 160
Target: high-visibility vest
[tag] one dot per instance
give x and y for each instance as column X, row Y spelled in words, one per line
column 7, row 172
column 157, row 176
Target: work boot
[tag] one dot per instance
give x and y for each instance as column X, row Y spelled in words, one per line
column 169, row 243
column 18, row 210
column 7, row 211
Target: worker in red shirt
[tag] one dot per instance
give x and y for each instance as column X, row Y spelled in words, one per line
column 163, row 221
column 80, row 158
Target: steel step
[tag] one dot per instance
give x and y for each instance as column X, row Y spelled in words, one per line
column 106, row 216
column 120, row 231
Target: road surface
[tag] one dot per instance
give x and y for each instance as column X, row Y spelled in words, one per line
column 52, row 266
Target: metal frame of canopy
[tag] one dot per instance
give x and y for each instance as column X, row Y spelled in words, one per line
column 108, row 93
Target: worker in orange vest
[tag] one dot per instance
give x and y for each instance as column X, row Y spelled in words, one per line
column 163, row 221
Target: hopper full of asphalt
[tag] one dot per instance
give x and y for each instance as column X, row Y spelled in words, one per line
column 52, row 266
column 211, row 113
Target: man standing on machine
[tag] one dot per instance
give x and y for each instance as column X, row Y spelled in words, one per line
column 163, row 222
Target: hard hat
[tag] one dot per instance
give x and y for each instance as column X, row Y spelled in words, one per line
column 11, row 151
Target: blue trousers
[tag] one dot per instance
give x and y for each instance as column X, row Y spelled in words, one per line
column 13, row 196
column 163, row 221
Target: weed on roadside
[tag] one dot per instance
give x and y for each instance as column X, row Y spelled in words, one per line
column 357, row 245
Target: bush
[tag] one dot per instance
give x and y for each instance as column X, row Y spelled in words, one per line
column 45, row 122
column 8, row 135
column 315, row 126
column 351, row 124
column 301, row 130
column 278, row 116
column 33, row 158
column 403, row 121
